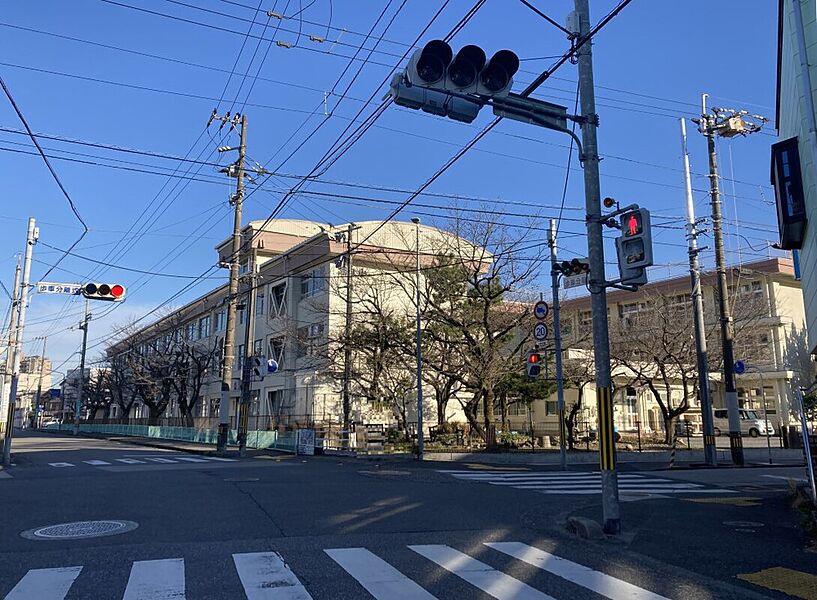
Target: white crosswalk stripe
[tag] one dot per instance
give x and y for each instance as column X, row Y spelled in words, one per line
column 156, row 580
column 604, row 584
column 477, row 573
column 266, row 576
column 171, row 459
column 44, row 584
column 583, row 483
column 380, row 579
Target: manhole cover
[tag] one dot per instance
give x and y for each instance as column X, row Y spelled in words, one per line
column 79, row 530
column 743, row 524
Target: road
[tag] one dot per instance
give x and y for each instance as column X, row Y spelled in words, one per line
column 274, row 527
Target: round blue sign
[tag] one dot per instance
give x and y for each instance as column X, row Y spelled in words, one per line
column 540, row 309
column 740, row 367
column 272, row 365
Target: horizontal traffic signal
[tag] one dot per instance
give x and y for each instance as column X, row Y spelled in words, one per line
column 436, row 80
column 111, row 292
column 577, row 266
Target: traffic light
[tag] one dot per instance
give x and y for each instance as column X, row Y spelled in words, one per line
column 534, row 364
column 112, row 292
column 434, row 72
column 259, row 366
column 577, row 266
column 634, row 246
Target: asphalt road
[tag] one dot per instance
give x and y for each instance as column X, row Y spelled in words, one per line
column 276, row 526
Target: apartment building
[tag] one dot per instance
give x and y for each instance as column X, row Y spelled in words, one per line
column 293, row 276
column 34, row 371
column 770, row 337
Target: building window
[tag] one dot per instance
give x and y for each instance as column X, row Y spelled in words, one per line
column 313, row 282
column 258, row 347
column 259, row 303
column 191, row 330
column 277, row 304
column 204, row 327
column 276, row 350
column 221, row 320
column 239, row 357
column 240, row 313
column 787, row 180
column 310, row 340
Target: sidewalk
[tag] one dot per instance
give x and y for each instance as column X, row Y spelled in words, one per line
column 179, row 446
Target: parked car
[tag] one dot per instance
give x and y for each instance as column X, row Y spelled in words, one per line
column 751, row 423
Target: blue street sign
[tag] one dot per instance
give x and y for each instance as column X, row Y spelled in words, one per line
column 540, row 310
column 740, row 367
column 272, row 365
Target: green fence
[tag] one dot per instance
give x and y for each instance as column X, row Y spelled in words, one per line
column 275, row 440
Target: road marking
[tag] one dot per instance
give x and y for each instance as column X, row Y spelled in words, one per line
column 61, row 464
column 156, row 580
column 489, row 580
column 161, row 460
column 221, row 459
column 265, row 576
column 791, row 582
column 380, row 579
column 731, row 500
column 606, row 585
column 4, row 475
column 130, row 461
column 44, row 584
column 192, row 459
column 96, row 463
column 480, row 467
column 798, row 479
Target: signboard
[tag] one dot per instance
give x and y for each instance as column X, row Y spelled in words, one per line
column 540, row 332
column 740, row 367
column 55, row 392
column 573, row 281
column 68, row 289
column 305, row 441
column 540, row 310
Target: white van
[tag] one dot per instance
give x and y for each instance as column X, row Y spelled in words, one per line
column 751, row 423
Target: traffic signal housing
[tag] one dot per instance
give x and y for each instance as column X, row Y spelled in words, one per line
column 577, row 266
column 634, row 246
column 259, row 366
column 533, row 364
column 434, row 72
column 111, row 292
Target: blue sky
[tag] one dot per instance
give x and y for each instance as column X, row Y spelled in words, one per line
column 150, row 81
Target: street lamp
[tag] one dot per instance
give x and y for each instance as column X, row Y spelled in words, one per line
column 416, row 222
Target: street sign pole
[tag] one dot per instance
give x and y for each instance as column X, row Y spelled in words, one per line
column 557, row 346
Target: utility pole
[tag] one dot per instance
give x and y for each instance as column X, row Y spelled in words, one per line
column 235, row 170
column 81, row 393
column 40, row 383
column 595, row 253
column 710, row 452
column 557, row 345
column 31, row 239
column 726, row 123
column 15, row 297
column 246, row 370
column 347, row 348
column 419, row 350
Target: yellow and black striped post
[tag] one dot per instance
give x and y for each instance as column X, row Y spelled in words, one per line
column 607, row 448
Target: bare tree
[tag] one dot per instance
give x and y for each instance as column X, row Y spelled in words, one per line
column 97, row 396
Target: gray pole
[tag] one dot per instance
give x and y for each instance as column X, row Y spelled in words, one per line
column 416, row 222
column 40, row 384
column 31, row 239
column 232, row 295
column 811, row 474
column 15, row 293
column 710, row 451
column 557, row 343
column 246, row 370
column 347, row 347
column 81, row 392
column 595, row 252
column 735, row 440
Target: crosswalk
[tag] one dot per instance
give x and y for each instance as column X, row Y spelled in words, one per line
column 267, row 576
column 170, row 459
column 583, row 483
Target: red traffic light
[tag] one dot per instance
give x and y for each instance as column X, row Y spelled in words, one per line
column 533, row 358
column 632, row 224
column 112, row 292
